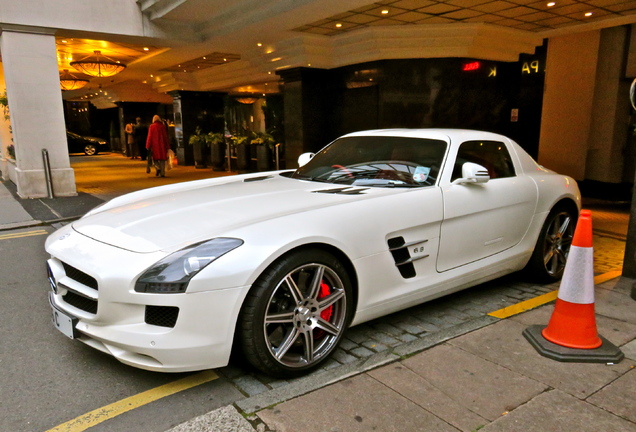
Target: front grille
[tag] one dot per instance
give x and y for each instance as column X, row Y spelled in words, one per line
column 79, row 301
column 163, row 316
column 79, row 276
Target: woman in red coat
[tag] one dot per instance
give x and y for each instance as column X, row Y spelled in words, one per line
column 158, row 145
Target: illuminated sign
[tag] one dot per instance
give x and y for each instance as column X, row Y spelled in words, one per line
column 471, row 66
column 530, row 67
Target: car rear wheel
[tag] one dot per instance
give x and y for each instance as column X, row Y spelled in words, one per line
column 90, row 149
column 553, row 245
column 296, row 313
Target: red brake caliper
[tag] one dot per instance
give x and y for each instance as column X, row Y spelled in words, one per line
column 324, row 292
column 327, row 313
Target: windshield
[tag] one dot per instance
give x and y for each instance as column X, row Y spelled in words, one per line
column 383, row 161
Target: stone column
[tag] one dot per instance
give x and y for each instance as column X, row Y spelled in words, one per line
column 567, row 102
column 191, row 110
column 308, row 99
column 37, row 114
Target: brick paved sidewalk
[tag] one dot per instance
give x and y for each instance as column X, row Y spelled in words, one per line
column 386, row 334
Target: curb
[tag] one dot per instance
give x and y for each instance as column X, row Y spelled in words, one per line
column 230, row 418
column 33, row 223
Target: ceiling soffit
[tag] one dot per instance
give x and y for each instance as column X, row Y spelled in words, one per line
column 529, row 15
column 490, row 29
column 368, row 44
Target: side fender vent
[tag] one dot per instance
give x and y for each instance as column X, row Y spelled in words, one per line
column 402, row 257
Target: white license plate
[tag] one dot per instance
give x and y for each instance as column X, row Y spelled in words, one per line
column 64, row 323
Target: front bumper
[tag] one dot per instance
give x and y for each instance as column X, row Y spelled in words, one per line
column 201, row 339
column 158, row 332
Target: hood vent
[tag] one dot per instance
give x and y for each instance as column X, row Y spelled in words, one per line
column 343, row 191
column 254, row 179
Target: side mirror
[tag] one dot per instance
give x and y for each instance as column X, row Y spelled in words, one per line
column 304, row 158
column 473, row 173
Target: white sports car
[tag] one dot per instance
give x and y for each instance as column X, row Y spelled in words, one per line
column 281, row 263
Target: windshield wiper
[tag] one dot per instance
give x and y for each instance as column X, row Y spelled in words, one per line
column 383, row 183
column 309, row 178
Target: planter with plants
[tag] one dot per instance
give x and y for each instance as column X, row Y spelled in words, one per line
column 199, row 142
column 4, row 103
column 264, row 147
column 243, row 156
column 216, row 141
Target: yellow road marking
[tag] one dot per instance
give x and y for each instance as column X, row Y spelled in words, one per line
column 22, row 234
column 524, row 305
column 607, row 276
column 102, row 414
column 545, row 298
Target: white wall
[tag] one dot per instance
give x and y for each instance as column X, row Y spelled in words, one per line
column 106, row 16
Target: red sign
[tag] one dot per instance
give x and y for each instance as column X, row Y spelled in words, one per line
column 471, row 66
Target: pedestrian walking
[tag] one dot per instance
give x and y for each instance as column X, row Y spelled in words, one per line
column 130, row 140
column 141, row 133
column 158, row 145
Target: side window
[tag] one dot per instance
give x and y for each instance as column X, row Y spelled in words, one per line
column 492, row 155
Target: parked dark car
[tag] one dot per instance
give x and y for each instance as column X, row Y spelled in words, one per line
column 83, row 144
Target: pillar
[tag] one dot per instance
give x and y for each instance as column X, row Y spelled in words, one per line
column 610, row 111
column 308, row 99
column 567, row 102
column 37, row 114
column 195, row 109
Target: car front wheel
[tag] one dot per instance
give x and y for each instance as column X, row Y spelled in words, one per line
column 296, row 313
column 90, row 149
column 553, row 245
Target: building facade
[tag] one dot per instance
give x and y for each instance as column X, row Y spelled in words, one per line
column 550, row 76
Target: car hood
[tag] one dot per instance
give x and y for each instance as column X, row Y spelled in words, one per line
column 169, row 218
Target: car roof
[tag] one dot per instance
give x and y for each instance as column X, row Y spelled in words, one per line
column 454, row 135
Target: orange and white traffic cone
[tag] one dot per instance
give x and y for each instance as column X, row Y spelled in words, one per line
column 571, row 334
column 573, row 322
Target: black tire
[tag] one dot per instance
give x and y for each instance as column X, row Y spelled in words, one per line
column 296, row 313
column 553, row 245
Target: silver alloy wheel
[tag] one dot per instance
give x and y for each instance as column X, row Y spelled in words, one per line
column 557, row 242
column 305, row 315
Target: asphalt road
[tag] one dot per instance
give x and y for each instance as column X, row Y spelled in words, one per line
column 47, row 380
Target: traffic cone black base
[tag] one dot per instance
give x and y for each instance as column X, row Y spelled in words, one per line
column 606, row 353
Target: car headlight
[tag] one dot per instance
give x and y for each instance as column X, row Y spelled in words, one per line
column 173, row 273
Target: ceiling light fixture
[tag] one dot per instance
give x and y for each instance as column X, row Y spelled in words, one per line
column 246, row 100
column 68, row 81
column 98, row 65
